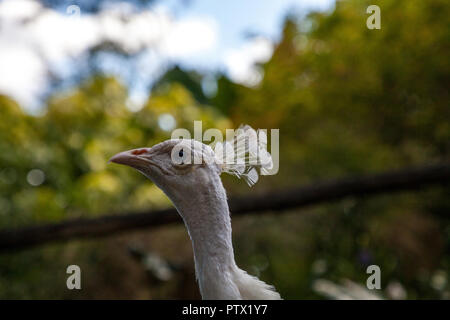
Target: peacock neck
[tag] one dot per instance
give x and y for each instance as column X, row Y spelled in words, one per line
column 207, row 218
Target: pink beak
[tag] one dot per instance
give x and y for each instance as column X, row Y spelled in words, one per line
column 128, row 157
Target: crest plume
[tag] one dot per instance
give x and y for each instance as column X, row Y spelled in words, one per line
column 246, row 156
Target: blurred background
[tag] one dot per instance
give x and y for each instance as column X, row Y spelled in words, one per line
column 83, row 80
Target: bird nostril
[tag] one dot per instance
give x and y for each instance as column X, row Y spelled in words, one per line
column 139, row 151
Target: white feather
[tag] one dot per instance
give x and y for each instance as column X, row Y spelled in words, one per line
column 245, row 154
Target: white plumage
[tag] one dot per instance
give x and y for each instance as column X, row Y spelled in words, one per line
column 245, row 154
column 197, row 192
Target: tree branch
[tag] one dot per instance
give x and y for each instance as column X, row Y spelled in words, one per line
column 406, row 179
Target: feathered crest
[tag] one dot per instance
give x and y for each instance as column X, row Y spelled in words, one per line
column 246, row 156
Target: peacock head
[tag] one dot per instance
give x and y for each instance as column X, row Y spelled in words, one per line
column 177, row 165
column 174, row 165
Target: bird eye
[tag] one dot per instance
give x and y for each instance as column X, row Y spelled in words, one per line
column 180, row 153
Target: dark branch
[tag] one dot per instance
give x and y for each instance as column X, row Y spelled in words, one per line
column 407, row 179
